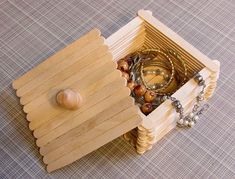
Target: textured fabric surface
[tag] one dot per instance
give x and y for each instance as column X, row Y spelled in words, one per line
column 32, row 30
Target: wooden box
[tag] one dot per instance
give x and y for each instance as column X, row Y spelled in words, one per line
column 106, row 110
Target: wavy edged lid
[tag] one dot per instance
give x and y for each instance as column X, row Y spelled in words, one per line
column 76, row 101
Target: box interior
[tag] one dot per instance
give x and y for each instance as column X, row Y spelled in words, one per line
column 146, row 36
column 143, row 36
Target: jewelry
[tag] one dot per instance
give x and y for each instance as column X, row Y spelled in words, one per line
column 151, row 75
column 178, row 57
column 158, row 87
column 138, row 70
column 137, row 66
column 191, row 118
column 158, row 72
column 167, row 62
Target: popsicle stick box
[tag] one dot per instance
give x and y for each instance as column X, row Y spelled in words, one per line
column 77, row 101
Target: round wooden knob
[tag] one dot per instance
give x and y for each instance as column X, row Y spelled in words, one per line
column 69, row 99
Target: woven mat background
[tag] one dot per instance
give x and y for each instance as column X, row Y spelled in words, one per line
column 32, row 30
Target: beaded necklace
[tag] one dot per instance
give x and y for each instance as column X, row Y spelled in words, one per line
column 138, row 66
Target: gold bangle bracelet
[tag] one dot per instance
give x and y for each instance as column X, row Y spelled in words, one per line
column 157, row 51
column 178, row 57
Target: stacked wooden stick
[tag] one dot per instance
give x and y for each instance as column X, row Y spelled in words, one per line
column 107, row 111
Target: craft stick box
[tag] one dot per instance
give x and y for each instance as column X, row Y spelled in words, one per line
column 86, row 72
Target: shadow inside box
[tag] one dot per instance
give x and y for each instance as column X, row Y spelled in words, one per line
column 15, row 123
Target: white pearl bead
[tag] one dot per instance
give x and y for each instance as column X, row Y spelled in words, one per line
column 185, row 123
column 191, row 124
column 196, row 117
column 191, row 115
column 180, row 121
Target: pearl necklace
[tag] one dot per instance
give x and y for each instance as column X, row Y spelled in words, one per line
column 188, row 120
column 135, row 67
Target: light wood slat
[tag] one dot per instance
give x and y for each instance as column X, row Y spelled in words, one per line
column 88, row 102
column 53, row 70
column 176, row 39
column 164, row 43
column 71, row 74
column 166, row 106
column 51, row 107
column 169, row 124
column 189, row 96
column 56, row 58
column 127, row 44
column 88, row 125
column 164, row 132
column 73, row 122
column 122, row 53
column 133, row 46
column 128, row 36
column 81, row 140
column 116, row 45
column 110, row 89
column 120, row 49
column 135, row 23
column 94, row 144
column 188, row 60
column 77, row 72
column 190, row 67
column 160, row 44
column 170, row 120
column 127, row 39
column 150, row 43
column 69, row 144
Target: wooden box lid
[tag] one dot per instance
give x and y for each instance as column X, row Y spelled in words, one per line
column 86, row 71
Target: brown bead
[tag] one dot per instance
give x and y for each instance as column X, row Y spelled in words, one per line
column 129, row 58
column 125, row 75
column 131, row 84
column 123, row 65
column 140, row 90
column 149, row 96
column 146, row 108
